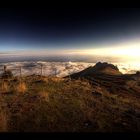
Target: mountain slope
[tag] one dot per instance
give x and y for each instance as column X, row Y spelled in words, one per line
column 108, row 76
column 99, row 68
column 97, row 103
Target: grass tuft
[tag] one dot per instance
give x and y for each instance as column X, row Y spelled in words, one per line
column 21, row 88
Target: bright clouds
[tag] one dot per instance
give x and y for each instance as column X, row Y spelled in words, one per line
column 61, row 68
column 49, row 68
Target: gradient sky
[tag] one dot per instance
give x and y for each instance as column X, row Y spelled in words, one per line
column 96, row 31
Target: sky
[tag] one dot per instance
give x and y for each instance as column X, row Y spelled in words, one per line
column 94, row 32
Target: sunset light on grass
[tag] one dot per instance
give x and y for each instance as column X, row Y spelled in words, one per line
column 69, row 70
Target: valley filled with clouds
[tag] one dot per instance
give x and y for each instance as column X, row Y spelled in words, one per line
column 60, row 69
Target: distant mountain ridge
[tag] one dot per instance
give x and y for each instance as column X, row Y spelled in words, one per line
column 103, row 68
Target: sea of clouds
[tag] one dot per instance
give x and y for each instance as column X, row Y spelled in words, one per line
column 60, row 69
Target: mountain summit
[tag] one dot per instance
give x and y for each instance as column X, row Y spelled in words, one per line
column 103, row 68
column 106, row 68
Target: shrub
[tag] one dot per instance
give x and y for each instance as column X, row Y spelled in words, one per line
column 7, row 74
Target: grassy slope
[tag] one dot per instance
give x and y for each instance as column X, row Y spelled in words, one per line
column 58, row 105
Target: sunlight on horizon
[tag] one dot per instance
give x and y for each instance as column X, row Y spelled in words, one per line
column 126, row 51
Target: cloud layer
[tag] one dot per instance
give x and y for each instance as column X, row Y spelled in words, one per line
column 60, row 69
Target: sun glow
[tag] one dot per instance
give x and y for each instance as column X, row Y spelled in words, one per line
column 119, row 51
column 127, row 51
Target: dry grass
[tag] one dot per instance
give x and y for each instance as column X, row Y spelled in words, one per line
column 3, row 122
column 4, row 86
column 21, row 87
column 44, row 95
column 62, row 105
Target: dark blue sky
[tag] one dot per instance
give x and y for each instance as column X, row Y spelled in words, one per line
column 65, row 28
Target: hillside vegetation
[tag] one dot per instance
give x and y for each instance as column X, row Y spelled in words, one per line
column 97, row 103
